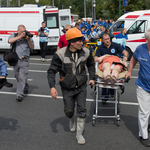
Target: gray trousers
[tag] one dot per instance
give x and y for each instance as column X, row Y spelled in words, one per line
column 144, row 111
column 72, row 96
column 21, row 75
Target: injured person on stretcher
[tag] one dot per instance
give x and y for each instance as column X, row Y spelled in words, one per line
column 111, row 66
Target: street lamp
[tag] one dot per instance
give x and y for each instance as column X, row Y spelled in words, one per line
column 119, row 7
column 92, row 9
column 7, row 2
column 53, row 2
column 94, row 5
column 84, row 8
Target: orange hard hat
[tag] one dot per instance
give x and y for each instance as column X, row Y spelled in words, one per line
column 73, row 33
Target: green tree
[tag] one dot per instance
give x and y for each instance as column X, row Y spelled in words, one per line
column 113, row 7
column 104, row 9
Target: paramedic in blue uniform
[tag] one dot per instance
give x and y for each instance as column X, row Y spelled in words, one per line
column 142, row 56
column 111, row 48
column 108, row 47
column 43, row 33
column 121, row 35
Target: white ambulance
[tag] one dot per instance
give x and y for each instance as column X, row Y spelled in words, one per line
column 136, row 32
column 125, row 20
column 32, row 16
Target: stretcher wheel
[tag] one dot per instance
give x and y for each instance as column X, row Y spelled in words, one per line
column 118, row 123
column 93, row 122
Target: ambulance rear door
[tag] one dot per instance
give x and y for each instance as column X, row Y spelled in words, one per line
column 136, row 33
column 64, row 18
column 2, row 32
column 52, row 22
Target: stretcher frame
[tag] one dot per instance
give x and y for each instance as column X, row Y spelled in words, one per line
column 99, row 84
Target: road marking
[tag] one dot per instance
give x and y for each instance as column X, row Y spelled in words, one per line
column 30, row 70
column 60, row 97
column 134, row 77
column 15, row 79
column 40, row 59
column 37, row 71
column 42, row 64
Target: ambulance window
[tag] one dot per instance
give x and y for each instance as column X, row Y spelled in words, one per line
column 137, row 27
column 117, row 27
column 64, row 20
column 51, row 20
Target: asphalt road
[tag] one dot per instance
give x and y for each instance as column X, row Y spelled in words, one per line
column 39, row 123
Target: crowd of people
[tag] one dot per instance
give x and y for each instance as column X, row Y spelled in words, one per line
column 93, row 30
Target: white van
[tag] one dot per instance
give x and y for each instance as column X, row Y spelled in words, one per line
column 125, row 20
column 32, row 16
column 136, row 32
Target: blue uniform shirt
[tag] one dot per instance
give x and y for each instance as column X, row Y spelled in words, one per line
column 114, row 49
column 3, row 68
column 120, row 35
column 142, row 55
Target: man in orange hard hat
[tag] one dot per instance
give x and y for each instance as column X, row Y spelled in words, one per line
column 71, row 62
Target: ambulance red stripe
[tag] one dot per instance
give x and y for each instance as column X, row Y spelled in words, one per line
column 50, row 11
column 19, row 11
column 146, row 14
column 138, row 40
column 115, row 33
column 9, row 32
column 132, row 16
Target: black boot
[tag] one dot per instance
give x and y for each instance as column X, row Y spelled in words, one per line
column 148, row 128
column 145, row 142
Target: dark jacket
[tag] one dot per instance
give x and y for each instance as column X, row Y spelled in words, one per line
column 72, row 75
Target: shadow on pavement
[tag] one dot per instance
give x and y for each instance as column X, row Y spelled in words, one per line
column 131, row 123
column 63, row 121
column 8, row 124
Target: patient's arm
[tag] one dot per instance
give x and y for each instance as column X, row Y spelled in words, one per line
column 100, row 59
column 124, row 63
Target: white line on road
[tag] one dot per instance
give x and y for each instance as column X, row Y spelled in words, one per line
column 30, row 70
column 40, row 64
column 37, row 71
column 39, row 59
column 15, row 79
column 60, row 97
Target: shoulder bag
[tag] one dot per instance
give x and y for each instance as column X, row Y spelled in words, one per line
column 11, row 56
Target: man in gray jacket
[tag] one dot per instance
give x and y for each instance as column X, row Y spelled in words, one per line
column 71, row 62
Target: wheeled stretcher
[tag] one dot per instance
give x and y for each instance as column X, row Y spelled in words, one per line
column 112, row 99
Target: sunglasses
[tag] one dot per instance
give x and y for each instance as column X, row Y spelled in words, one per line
column 66, row 29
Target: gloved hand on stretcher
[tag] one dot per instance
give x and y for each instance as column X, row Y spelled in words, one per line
column 111, row 66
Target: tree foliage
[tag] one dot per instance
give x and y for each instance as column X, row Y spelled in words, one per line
column 105, row 9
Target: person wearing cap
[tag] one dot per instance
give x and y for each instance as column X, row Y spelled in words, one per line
column 71, row 63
